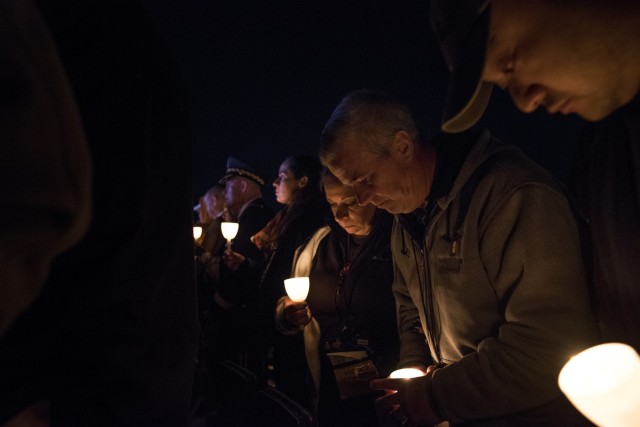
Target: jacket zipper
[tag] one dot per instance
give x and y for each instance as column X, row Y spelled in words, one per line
column 427, row 295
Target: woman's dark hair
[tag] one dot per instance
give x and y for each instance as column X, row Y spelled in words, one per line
column 305, row 199
column 308, row 166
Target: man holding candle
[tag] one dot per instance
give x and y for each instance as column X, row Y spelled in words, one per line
column 242, row 261
column 487, row 257
column 209, row 246
column 243, row 201
column 208, row 256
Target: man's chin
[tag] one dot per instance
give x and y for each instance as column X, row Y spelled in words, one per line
column 595, row 116
column 594, row 112
column 393, row 208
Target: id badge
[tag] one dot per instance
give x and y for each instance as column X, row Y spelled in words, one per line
column 353, row 371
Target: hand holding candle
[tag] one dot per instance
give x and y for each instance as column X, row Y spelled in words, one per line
column 296, row 311
column 407, row 373
column 410, row 397
column 297, row 288
column 232, row 259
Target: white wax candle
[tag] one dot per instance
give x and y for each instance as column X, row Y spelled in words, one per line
column 197, row 232
column 406, row 373
column 229, row 229
column 297, row 288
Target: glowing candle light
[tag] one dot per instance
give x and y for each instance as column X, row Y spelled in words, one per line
column 297, row 288
column 407, row 373
column 229, row 230
column 197, row 232
column 602, row 382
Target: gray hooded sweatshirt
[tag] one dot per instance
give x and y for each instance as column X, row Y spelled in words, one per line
column 496, row 279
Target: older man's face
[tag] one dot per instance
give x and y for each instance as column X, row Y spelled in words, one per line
column 388, row 182
column 233, row 196
column 544, row 57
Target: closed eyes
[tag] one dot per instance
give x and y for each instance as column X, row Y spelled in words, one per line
column 501, row 63
column 347, row 202
column 507, row 69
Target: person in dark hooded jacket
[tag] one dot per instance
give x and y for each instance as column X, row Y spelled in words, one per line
column 487, row 257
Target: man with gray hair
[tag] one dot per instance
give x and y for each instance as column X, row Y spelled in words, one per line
column 487, row 260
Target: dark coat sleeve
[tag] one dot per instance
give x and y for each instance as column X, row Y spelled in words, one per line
column 238, row 287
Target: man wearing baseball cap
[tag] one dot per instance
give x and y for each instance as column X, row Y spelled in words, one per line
column 569, row 57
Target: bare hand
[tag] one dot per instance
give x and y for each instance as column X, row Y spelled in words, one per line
column 232, row 259
column 296, row 314
column 409, row 400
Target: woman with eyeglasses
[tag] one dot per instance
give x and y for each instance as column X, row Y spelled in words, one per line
column 348, row 320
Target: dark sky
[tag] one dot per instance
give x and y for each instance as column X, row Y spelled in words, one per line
column 263, row 77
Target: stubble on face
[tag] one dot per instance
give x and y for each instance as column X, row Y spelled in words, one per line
column 545, row 58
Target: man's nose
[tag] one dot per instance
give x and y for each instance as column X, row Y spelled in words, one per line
column 528, row 98
column 364, row 193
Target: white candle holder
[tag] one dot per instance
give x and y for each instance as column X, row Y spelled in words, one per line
column 603, row 382
column 407, row 373
column 229, row 231
column 297, row 288
column 197, row 232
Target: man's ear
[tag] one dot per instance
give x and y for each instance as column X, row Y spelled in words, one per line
column 244, row 185
column 403, row 145
column 303, row 182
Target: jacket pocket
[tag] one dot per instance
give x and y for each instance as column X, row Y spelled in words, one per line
column 448, row 264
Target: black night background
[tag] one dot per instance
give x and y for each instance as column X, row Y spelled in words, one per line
column 263, row 77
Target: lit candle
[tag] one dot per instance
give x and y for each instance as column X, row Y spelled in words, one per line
column 603, row 383
column 197, row 232
column 297, row 288
column 407, row 373
column 229, row 230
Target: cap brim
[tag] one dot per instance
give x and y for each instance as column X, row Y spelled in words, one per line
column 226, row 178
column 248, row 175
column 470, row 113
column 467, row 95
